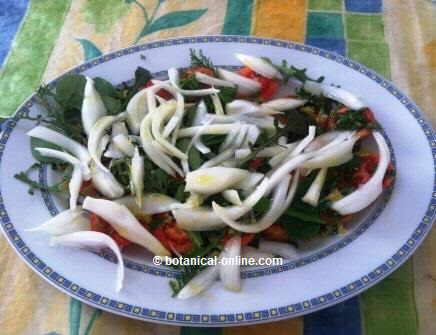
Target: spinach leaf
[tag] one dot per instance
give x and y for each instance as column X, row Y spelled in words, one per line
column 69, row 91
column 301, row 230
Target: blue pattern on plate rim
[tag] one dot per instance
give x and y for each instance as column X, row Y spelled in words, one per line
column 293, row 310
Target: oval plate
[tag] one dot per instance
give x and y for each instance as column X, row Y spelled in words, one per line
column 349, row 264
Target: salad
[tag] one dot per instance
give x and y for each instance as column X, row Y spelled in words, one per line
column 208, row 162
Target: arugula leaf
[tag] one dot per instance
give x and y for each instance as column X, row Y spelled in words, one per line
column 304, row 216
column 113, row 105
column 194, row 156
column 38, row 143
column 354, row 120
column 262, row 206
column 301, row 230
column 61, row 186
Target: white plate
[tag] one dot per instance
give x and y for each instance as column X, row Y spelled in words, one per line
column 327, row 273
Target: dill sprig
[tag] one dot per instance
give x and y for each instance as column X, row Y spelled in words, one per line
column 198, row 59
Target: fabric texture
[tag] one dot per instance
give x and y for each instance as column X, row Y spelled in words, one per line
column 40, row 39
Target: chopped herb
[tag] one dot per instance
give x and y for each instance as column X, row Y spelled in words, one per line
column 198, row 59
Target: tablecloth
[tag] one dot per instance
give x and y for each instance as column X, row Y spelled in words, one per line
column 40, row 39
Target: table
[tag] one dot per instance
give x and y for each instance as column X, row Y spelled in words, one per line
column 40, row 39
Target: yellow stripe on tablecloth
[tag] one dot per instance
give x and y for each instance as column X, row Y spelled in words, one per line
column 284, row 19
column 29, row 305
column 285, row 327
column 123, row 33
column 109, row 323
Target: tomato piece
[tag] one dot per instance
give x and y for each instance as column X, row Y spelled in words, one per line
column 256, row 163
column 246, row 72
column 173, row 238
column 387, row 181
column 276, row 233
column 88, row 189
column 100, row 225
column 164, row 94
column 342, row 110
column 269, row 86
column 202, row 69
column 247, row 238
column 365, row 132
column 369, row 115
column 269, row 89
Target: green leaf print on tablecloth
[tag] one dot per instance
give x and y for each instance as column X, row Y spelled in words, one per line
column 104, row 13
column 90, row 50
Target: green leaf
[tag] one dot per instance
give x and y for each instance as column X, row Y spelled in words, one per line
column 104, row 87
column 38, row 143
column 113, row 105
column 307, row 217
column 69, row 91
column 90, row 50
column 262, row 206
column 301, row 230
column 172, row 20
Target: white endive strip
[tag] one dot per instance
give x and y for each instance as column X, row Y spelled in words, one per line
column 259, row 66
column 313, row 87
column 313, row 193
column 95, row 241
column 76, row 178
column 245, row 86
column 161, row 115
column 343, row 96
column 212, row 81
column 325, row 139
column 272, row 151
column 152, row 203
column 294, row 151
column 231, row 136
column 137, row 169
column 66, row 143
column 118, row 128
column 230, row 270
column 232, row 196
column 213, row 129
column 105, row 182
column 218, row 106
column 369, row 192
column 335, row 93
column 125, row 223
column 284, row 250
column 241, row 154
column 154, row 154
column 204, row 219
column 333, row 154
column 255, row 254
column 173, row 76
column 250, row 182
column 281, row 200
column 214, row 180
column 68, row 221
column 240, row 106
column 124, row 145
column 93, row 107
column 96, row 133
column 218, row 159
column 201, row 118
column 199, row 283
column 136, row 111
column 103, row 144
column 284, row 104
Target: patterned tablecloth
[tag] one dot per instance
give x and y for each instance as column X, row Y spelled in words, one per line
column 40, row 39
